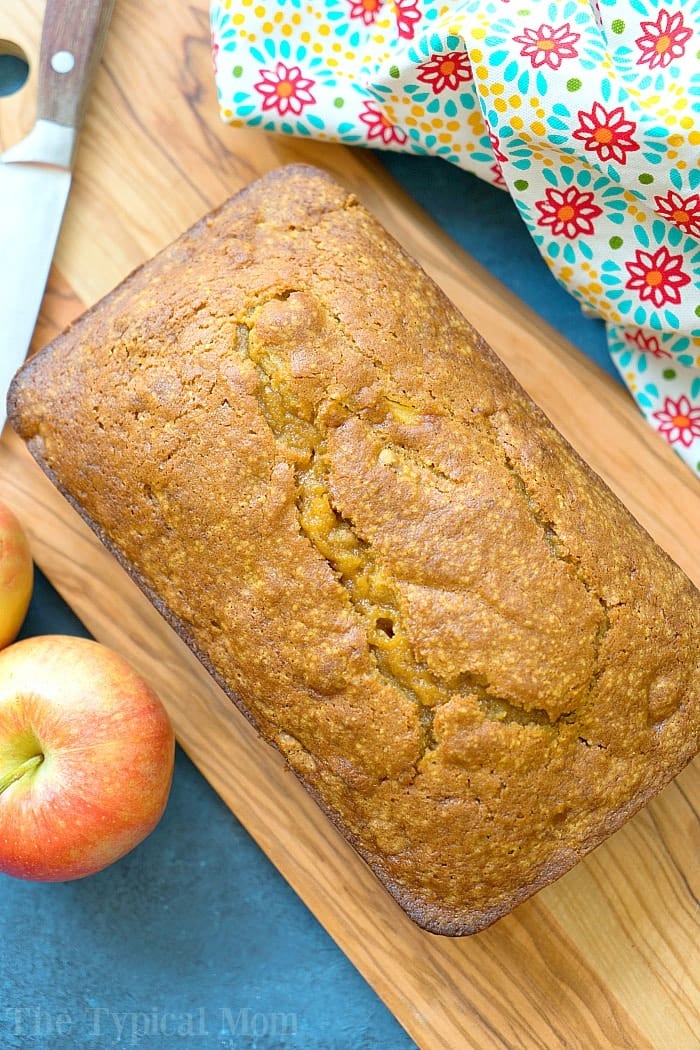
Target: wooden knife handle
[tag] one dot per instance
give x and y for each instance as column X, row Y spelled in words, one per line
column 71, row 46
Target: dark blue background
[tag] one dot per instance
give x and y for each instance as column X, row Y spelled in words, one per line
column 195, row 930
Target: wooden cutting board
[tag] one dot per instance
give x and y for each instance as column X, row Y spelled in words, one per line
column 610, row 955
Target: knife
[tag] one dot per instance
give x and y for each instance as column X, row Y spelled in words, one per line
column 35, row 174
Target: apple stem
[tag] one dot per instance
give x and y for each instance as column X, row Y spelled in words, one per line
column 19, row 771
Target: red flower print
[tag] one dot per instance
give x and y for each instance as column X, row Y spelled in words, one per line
column 683, row 212
column 547, row 46
column 215, row 52
column 380, row 127
column 496, row 147
column 498, row 178
column 607, row 134
column 657, row 277
column 648, row 344
column 663, row 41
column 679, row 421
column 285, row 89
column 446, row 71
column 407, row 15
column 365, row 10
column 569, row 212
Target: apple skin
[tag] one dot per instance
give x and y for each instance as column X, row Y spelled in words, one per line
column 108, row 753
column 16, row 576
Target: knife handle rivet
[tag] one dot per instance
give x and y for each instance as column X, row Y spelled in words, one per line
column 62, row 61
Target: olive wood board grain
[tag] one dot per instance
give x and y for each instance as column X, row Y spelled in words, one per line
column 609, row 956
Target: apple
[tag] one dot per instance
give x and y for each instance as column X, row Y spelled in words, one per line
column 16, row 576
column 86, row 758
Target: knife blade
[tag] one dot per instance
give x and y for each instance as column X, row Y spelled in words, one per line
column 35, row 174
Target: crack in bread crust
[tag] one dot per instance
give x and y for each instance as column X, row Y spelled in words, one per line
column 372, row 593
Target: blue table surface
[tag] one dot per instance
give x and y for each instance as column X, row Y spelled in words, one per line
column 194, row 939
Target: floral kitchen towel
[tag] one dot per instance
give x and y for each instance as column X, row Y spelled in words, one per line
column 586, row 111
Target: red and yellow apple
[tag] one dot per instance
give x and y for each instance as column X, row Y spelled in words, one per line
column 16, row 576
column 86, row 758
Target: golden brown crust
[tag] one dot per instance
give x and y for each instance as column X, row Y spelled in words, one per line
column 469, row 652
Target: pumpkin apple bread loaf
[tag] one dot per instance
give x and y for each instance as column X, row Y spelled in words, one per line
column 470, row 653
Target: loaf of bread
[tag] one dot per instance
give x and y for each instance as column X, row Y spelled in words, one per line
column 469, row 652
